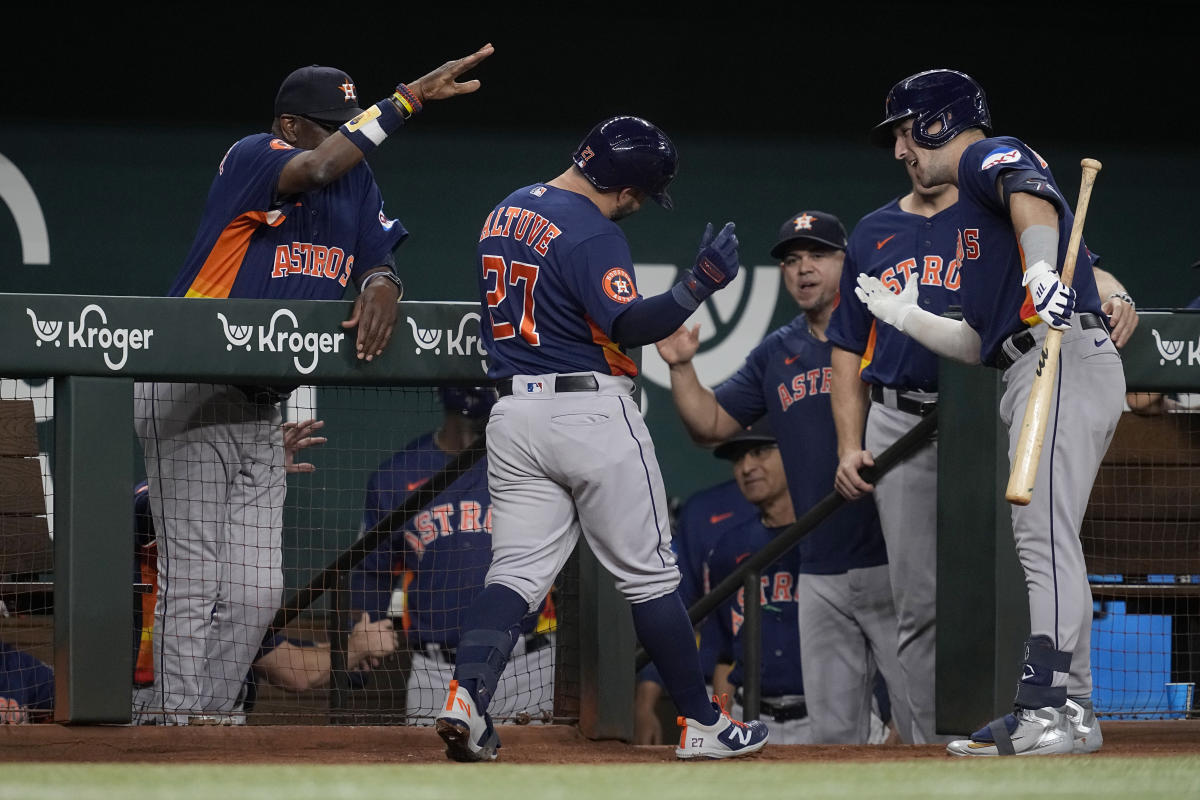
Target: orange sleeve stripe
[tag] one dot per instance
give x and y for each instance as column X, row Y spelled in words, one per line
column 618, row 362
column 220, row 269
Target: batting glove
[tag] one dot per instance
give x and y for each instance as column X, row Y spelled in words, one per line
column 885, row 306
column 1053, row 300
column 717, row 263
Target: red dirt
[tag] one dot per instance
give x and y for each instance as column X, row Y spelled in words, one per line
column 552, row 744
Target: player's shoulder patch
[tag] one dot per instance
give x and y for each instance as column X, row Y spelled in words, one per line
column 1000, row 156
column 280, row 144
column 538, row 191
column 618, row 285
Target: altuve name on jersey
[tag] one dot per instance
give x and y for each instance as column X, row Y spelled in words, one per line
column 521, row 225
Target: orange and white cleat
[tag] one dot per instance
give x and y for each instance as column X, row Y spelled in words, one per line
column 468, row 733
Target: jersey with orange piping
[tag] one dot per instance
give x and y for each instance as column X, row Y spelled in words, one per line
column 891, row 244
column 993, row 301
column 554, row 274
column 310, row 246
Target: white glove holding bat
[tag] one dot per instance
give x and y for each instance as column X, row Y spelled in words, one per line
column 879, row 300
column 1053, row 300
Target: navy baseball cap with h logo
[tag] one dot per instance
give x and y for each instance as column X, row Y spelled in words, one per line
column 323, row 93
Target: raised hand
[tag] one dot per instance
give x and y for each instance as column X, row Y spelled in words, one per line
column 443, row 81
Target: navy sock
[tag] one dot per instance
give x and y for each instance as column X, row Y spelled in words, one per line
column 665, row 631
column 497, row 609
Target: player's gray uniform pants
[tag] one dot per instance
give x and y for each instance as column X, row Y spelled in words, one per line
column 564, row 463
column 214, row 462
column 526, row 686
column 848, row 629
column 907, row 501
column 1088, row 399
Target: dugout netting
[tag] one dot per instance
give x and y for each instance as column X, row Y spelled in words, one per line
column 359, row 635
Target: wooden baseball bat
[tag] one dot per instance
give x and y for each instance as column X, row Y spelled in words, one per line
column 1037, row 408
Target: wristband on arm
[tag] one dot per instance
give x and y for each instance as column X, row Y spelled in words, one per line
column 368, row 130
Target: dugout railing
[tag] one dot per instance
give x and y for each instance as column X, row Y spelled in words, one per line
column 93, row 349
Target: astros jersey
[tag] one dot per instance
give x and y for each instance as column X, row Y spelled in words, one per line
column 891, row 244
column 443, row 552
column 787, row 378
column 703, row 518
column 548, row 303
column 25, row 679
column 251, row 243
column 780, row 624
column 993, row 301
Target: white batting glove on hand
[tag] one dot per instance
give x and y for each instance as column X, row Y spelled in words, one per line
column 879, row 300
column 1054, row 301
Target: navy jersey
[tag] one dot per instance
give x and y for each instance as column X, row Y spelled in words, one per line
column 787, row 378
column 251, row 243
column 780, row 623
column 703, row 518
column 891, row 244
column 554, row 274
column 25, row 679
column 993, row 301
column 442, row 553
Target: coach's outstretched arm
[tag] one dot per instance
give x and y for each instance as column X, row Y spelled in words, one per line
column 332, row 158
column 706, row 422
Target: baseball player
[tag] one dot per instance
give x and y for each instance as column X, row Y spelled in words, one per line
column 878, row 369
column 758, row 470
column 1014, row 225
column 291, row 214
column 439, row 561
column 568, row 451
column 844, row 601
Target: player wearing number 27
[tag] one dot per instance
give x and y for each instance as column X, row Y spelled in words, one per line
column 1014, row 227
column 568, row 451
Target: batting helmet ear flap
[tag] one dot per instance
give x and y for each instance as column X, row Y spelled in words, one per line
column 935, row 96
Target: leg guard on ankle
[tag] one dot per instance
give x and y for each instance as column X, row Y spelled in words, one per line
column 1036, row 688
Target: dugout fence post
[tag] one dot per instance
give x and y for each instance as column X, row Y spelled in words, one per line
column 93, row 550
column 607, row 643
column 982, row 604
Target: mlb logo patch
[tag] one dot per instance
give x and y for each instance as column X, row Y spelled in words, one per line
column 538, row 191
column 386, row 223
column 1000, row 157
column 535, row 387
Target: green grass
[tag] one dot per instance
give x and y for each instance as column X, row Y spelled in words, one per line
column 1140, row 778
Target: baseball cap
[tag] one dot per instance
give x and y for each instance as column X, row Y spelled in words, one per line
column 323, row 93
column 740, row 443
column 816, row 225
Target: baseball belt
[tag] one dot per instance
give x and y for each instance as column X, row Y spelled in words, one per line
column 893, row 398
column 1023, row 341
column 562, row 383
column 443, row 652
column 778, row 710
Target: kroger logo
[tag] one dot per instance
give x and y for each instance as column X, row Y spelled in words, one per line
column 92, row 333
column 306, row 345
column 1172, row 350
column 458, row 341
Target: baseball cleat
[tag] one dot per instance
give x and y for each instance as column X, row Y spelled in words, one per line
column 1025, row 732
column 469, row 735
column 725, row 738
column 1085, row 728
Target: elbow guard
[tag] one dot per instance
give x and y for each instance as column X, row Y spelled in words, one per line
column 1029, row 182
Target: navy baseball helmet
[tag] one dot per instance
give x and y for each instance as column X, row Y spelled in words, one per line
column 938, row 95
column 628, row 151
column 474, row 401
